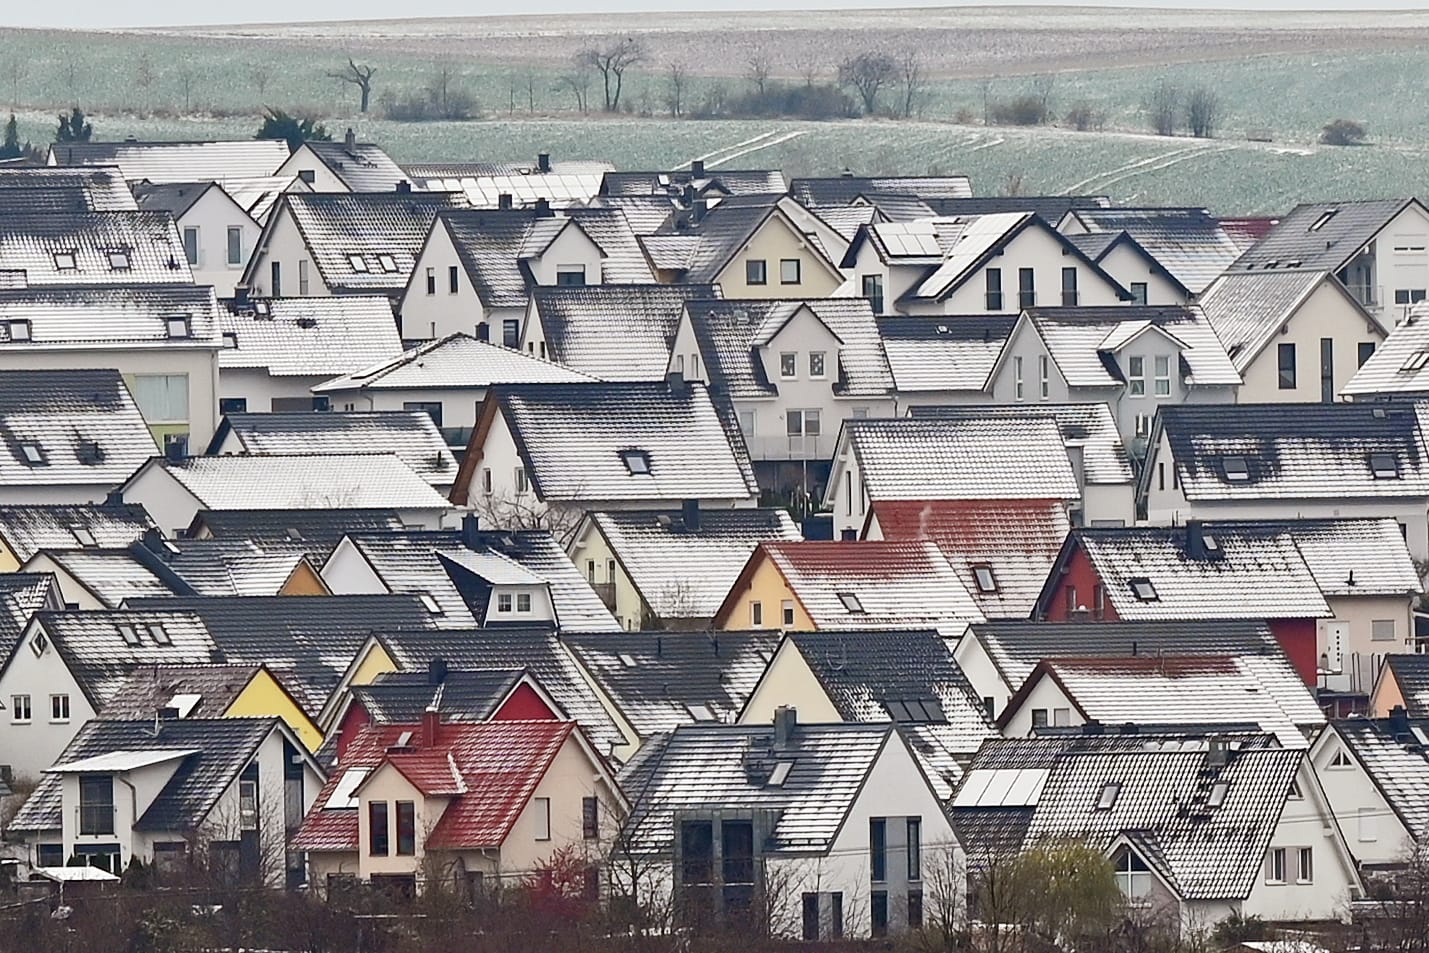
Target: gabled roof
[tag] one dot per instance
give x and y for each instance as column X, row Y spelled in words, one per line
column 457, row 362
column 866, row 585
column 257, row 195
column 362, row 166
column 845, row 189
column 1295, row 451
column 1050, row 207
column 942, row 353
column 112, row 576
column 91, row 189
column 211, row 753
column 177, row 161
column 1398, row 365
column 462, row 695
column 176, row 198
column 198, row 691
column 69, row 428
column 487, row 770
column 1091, row 428
column 28, row 528
column 711, row 767
column 301, row 481
column 1347, row 557
column 322, row 529
column 1411, row 674
column 226, row 567
column 1011, row 544
column 1392, row 753
column 484, row 183
column 1188, row 242
column 1085, row 342
column 409, row 435
column 732, row 333
column 662, row 680
column 1322, row 236
column 309, row 337
column 22, row 594
column 571, row 438
column 645, row 213
column 1248, row 309
column 614, row 332
column 92, row 248
column 684, row 572
column 712, row 241
column 109, row 316
column 711, row 181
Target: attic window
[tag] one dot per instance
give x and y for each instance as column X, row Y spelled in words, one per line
column 387, row 263
column 82, row 536
column 357, row 262
column 1107, row 799
column 118, row 259
column 33, row 455
column 430, row 604
column 1142, row 589
column 1236, row 469
column 39, row 643
column 64, row 261
column 1384, row 466
column 344, row 794
column 700, row 712
column 1416, row 361
column 985, row 578
column 1324, row 219
column 1341, row 760
column 780, row 774
column 20, row 330
column 850, row 602
column 1219, row 790
column 230, row 339
column 1295, row 793
column 636, row 461
column 129, row 634
column 160, row 635
column 627, row 660
column 178, row 326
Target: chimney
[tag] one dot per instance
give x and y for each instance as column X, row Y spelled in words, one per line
column 691, row 513
column 153, row 541
column 1398, row 721
column 1130, row 728
column 543, row 162
column 1092, row 728
column 436, row 671
column 1195, row 540
column 543, row 208
column 176, row 451
column 349, row 141
column 241, row 300
column 1219, row 752
column 675, row 381
column 697, row 169
column 404, row 187
column 785, row 718
column 471, row 531
column 114, row 498
column 699, row 208
column 307, row 175
column 430, row 719
column 503, row 200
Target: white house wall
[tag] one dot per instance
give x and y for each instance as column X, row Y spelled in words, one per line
column 1372, row 830
column 1363, row 655
column 284, row 244
column 168, row 502
column 426, row 317
column 1402, row 260
column 303, row 160
column 986, row 680
column 30, row 748
column 1326, row 313
column 1128, row 268
column 213, row 215
column 260, row 389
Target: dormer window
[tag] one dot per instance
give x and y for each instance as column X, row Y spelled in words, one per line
column 387, row 263
column 118, row 259
column 1236, row 469
column 850, row 602
column 1143, row 590
column 1384, row 466
column 570, row 276
column 178, row 326
column 19, row 330
column 357, row 263
column 1107, row 799
column 64, row 261
column 33, row 454
column 985, row 578
column 637, row 462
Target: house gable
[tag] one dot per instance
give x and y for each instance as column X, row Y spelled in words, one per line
column 788, row 681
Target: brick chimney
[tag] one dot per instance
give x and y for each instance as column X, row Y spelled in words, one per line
column 431, row 718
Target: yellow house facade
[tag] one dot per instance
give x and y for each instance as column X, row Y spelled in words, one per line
column 761, row 598
column 791, row 264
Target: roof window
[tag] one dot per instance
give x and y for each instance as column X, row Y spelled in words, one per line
column 230, row 339
column 1384, row 466
column 129, row 634
column 1107, row 799
column 83, row 536
column 33, row 454
column 118, row 259
column 387, row 263
column 20, row 329
column 1324, row 219
column 915, row 710
column 1416, row 360
column 627, row 660
column 985, row 578
column 357, row 263
column 780, row 774
column 160, row 635
column 636, row 461
column 430, row 604
column 1236, row 469
column 178, row 326
column 700, row 712
column 1219, row 790
column 1142, row 589
column 64, row 261
column 850, row 602
column 344, row 795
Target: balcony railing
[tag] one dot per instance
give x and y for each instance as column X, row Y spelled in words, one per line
column 95, row 818
column 606, row 591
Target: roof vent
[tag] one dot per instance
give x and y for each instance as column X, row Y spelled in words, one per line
column 307, row 321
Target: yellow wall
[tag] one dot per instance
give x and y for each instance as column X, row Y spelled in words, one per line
column 377, row 662
column 8, row 562
column 789, row 681
column 304, row 581
column 263, row 697
column 629, row 607
column 767, row 587
column 1386, row 695
column 776, row 240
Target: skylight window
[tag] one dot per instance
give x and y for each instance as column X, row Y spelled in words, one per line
column 850, row 602
column 129, row 634
column 1211, row 544
column 1107, row 799
column 627, row 660
column 700, row 712
column 1384, row 466
column 345, row 794
column 636, row 461
column 430, row 604
column 1219, row 790
column 1416, row 360
column 387, row 263
column 160, row 635
column 1236, row 469
column 118, row 259
column 178, row 326
column 1324, row 219
column 357, row 263
column 1142, row 589
column 230, row 339
column 20, row 330
column 922, row 711
column 82, row 536
column 780, row 774
column 33, row 454
column 64, row 261
column 985, row 579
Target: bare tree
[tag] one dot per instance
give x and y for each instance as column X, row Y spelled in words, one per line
column 1202, row 111
column 1163, row 106
column 261, row 75
column 759, row 71
column 144, row 74
column 914, row 81
column 611, row 61
column 578, row 83
column 809, row 73
column 359, row 76
column 15, row 71
column 1042, row 88
column 675, row 81
column 868, row 73
column 530, row 91
column 186, row 83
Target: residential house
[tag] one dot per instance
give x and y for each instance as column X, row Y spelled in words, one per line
column 941, row 266
column 790, row 369
column 907, row 677
column 1278, row 461
column 96, row 188
column 1194, row 573
column 671, row 569
column 943, row 360
column 611, row 332
column 327, row 244
column 99, row 578
column 1396, row 367
column 447, row 379
column 1133, row 267
column 1002, row 550
column 276, row 351
column 21, row 596
column 544, row 454
column 998, row 656
column 257, row 195
column 165, row 162
column 1198, row 827
column 163, row 339
column 467, row 804
column 1403, row 683
column 322, row 529
column 71, row 435
column 1375, row 248
column 225, row 790
column 560, row 183
column 218, row 233
column 1133, row 359
column 1375, row 775
column 852, row 189
column 476, row 268
column 173, row 490
column 848, row 585
column 1050, row 207
column 409, row 435
column 1312, row 320
column 344, row 166
column 843, row 812
column 709, row 184
column 653, row 682
column 1189, row 245
column 27, row 528
column 45, row 248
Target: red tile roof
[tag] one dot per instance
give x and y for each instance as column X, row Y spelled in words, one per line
column 488, row 769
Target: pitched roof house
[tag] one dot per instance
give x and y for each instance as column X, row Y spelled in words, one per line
column 344, row 165
column 1396, row 367
column 560, row 183
column 851, row 189
column 937, row 360
column 1134, row 268
column 91, row 248
column 84, row 188
column 162, row 162
column 218, row 233
column 1188, row 243
column 611, row 332
column 1376, row 777
column 25, row 529
column 1403, row 683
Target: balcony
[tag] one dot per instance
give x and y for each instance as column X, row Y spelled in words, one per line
column 606, row 591
column 97, row 819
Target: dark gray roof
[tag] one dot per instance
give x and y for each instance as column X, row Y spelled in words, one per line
column 177, row 161
column 456, row 362
column 716, row 237
column 1050, row 207
column 1188, row 242
column 1400, row 364
column 100, row 316
column 309, row 337
column 69, row 428
column 22, row 594
column 943, row 353
column 151, row 688
column 1392, row 753
column 222, row 748
column 113, row 576
column 323, row 529
column 89, row 189
column 661, row 680
column 1248, row 308
column 176, row 198
column 459, row 695
column 846, row 189
column 614, row 332
column 362, row 166
column 226, row 567
column 1320, row 236
column 28, row 528
column 673, row 183
column 410, row 435
column 1411, row 674
column 1085, row 342
column 89, row 248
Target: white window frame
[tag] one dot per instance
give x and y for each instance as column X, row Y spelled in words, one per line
column 788, row 365
column 21, row 710
column 1017, row 377
column 1044, row 374
column 542, row 817
column 59, row 708
column 821, row 371
column 1161, row 365
column 1136, row 376
column 1305, row 865
column 1275, row 865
